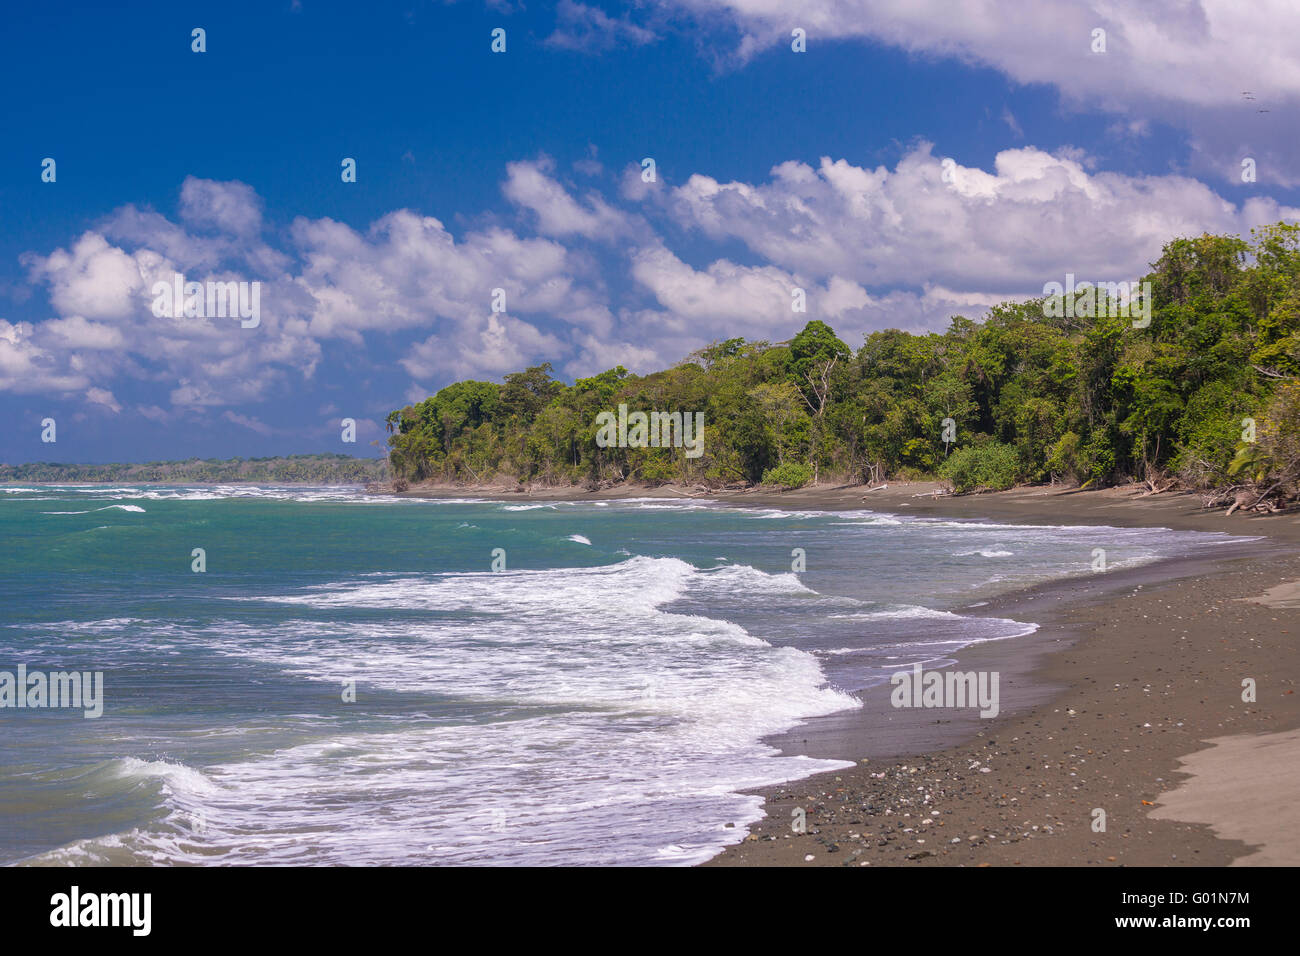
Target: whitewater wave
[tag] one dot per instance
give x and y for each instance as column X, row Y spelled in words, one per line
column 306, row 494
column 647, row 708
column 134, row 508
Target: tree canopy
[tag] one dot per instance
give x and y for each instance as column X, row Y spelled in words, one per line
column 1031, row 394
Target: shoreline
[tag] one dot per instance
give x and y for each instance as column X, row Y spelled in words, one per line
column 1128, row 674
column 1126, row 699
column 1020, row 660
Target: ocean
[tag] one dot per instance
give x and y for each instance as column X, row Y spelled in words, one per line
column 355, row 679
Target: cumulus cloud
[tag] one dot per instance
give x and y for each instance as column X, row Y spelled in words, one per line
column 107, row 327
column 230, row 207
column 75, row 332
column 27, row 368
column 408, row 270
column 1202, row 52
column 1182, row 62
column 871, row 248
column 529, row 185
column 700, row 306
column 491, row 344
column 93, row 278
column 598, row 354
column 1035, row 216
column 761, row 298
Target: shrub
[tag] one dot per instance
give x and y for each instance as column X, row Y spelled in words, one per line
column 989, row 467
column 789, row 475
column 1087, row 462
column 1064, row 457
column 657, row 469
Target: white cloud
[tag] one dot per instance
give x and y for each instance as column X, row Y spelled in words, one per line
column 481, row 345
column 633, row 185
column 228, row 207
column 1033, row 218
column 727, row 295
column 1181, row 62
column 589, row 29
column 75, row 332
column 244, row 421
column 408, row 271
column 417, row 393
column 27, row 368
column 93, row 278
column 1199, row 52
column 871, row 248
column 102, row 396
column 724, row 300
column 559, row 214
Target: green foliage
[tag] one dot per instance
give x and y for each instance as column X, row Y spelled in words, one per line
column 789, row 475
column 1034, row 395
column 1272, row 463
column 991, row 466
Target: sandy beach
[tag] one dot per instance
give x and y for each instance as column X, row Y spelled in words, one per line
column 1127, row 700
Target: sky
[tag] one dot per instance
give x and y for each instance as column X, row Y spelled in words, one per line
column 900, row 161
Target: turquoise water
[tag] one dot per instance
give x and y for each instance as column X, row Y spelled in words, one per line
column 600, row 699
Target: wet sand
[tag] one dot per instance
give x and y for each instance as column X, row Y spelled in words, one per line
column 1127, row 702
column 1128, row 673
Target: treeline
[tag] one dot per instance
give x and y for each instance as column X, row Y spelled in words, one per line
column 1204, row 395
column 311, row 469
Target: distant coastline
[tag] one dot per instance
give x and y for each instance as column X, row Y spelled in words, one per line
column 281, row 469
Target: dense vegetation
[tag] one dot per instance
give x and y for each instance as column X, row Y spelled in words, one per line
column 1031, row 397
column 314, row 469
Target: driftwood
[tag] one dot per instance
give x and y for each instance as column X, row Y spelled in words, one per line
column 1243, row 498
column 1154, row 486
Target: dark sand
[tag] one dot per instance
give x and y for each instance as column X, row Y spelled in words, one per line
column 1129, row 673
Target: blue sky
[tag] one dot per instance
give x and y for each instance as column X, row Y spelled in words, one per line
column 520, row 170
